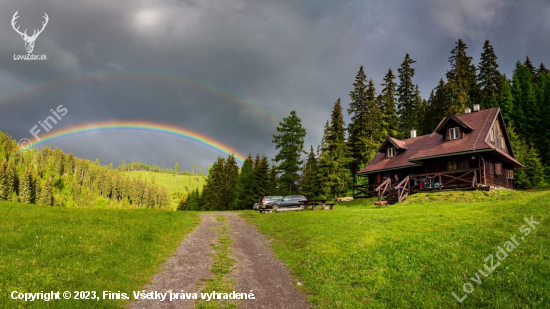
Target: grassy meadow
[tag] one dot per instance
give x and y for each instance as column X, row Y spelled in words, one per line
column 415, row 254
column 69, row 249
column 177, row 185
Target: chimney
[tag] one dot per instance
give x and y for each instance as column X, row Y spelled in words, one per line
column 413, row 133
column 476, row 107
column 467, row 110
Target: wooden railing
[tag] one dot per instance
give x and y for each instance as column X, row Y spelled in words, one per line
column 403, row 189
column 382, row 188
column 462, row 178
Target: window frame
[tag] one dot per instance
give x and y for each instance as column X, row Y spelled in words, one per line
column 493, row 135
column 498, row 169
column 392, row 151
column 452, row 165
column 454, row 129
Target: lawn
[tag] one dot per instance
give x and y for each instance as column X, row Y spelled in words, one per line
column 69, row 249
column 415, row 254
column 177, row 185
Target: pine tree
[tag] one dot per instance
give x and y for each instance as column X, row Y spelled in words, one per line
column 214, row 187
column 26, row 188
column 230, row 178
column 310, row 180
column 272, row 183
column 290, row 143
column 243, row 189
column 388, row 102
column 463, row 88
column 406, row 93
column 259, row 178
column 489, row 78
column 3, row 180
column 12, row 181
column 525, row 113
column 529, row 65
column 333, row 171
column 46, row 193
column 357, row 128
column 506, row 101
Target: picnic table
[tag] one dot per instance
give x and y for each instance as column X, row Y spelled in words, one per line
column 314, row 203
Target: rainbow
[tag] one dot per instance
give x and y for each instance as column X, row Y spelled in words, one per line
column 101, row 76
column 144, row 127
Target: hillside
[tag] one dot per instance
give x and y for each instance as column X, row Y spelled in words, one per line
column 416, row 254
column 71, row 249
column 178, row 186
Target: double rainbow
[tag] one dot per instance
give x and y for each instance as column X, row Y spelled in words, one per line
column 145, row 127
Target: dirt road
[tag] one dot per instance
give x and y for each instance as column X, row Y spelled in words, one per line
column 256, row 269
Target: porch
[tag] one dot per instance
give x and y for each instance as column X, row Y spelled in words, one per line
column 396, row 192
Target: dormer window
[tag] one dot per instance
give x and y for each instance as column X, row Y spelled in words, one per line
column 390, row 152
column 454, row 133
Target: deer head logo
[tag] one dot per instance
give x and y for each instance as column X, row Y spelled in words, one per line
column 29, row 40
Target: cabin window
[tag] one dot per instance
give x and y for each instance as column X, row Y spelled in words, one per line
column 454, row 133
column 498, row 168
column 491, row 168
column 509, row 174
column 493, row 135
column 502, row 143
column 390, row 152
column 452, row 165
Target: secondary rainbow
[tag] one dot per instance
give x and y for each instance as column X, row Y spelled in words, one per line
column 145, row 127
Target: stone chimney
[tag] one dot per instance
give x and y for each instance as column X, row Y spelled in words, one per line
column 413, row 133
column 468, row 110
column 476, row 107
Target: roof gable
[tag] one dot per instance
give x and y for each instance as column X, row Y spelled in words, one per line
column 465, row 126
column 399, row 144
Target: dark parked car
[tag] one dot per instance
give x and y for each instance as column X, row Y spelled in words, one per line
column 266, row 200
column 287, row 201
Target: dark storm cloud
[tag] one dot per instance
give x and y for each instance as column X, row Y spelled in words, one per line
column 278, row 55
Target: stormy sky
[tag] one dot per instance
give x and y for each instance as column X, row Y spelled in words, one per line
column 231, row 69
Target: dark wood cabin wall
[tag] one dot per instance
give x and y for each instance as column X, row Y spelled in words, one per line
column 497, row 180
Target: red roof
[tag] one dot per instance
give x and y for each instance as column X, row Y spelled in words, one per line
column 433, row 145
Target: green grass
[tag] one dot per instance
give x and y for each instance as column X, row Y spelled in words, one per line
column 177, row 185
column 59, row 249
column 222, row 268
column 413, row 255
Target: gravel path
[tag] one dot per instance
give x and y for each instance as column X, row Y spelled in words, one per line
column 256, row 268
column 191, row 262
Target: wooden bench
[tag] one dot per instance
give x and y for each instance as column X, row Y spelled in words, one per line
column 330, row 204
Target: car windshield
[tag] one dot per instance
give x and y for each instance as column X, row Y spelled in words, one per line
column 272, row 198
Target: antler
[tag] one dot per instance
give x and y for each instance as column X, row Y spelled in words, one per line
column 43, row 26
column 15, row 16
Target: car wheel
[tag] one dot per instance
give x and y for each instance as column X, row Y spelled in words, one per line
column 275, row 207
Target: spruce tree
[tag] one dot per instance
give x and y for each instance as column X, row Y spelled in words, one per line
column 529, row 65
column 461, row 79
column 260, row 179
column 525, row 108
column 333, row 171
column 230, row 178
column 3, row 180
column 272, row 183
column 290, row 143
column 243, row 189
column 46, row 194
column 388, row 102
column 357, row 128
column 406, row 96
column 489, row 78
column 310, row 180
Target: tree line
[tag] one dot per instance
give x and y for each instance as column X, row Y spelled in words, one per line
column 398, row 108
column 142, row 167
column 51, row 177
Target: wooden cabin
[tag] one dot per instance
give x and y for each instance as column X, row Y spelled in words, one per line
column 468, row 151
